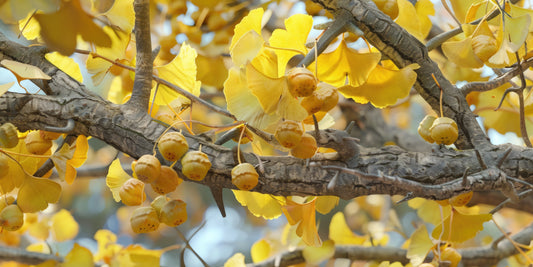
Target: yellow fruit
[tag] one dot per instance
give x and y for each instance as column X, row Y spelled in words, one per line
column 289, row 133
column 45, row 135
column 424, row 126
column 306, row 148
column 37, row 145
column 158, row 203
column 244, row 176
column 461, row 199
column 132, row 192
column 302, row 82
column 173, row 146
column 11, row 218
column 147, row 168
column 444, row 131
column 324, row 99
column 167, row 181
column 4, row 165
column 5, row 201
column 174, row 212
column 8, row 135
column 451, row 255
column 195, row 165
column 144, row 220
column 484, row 46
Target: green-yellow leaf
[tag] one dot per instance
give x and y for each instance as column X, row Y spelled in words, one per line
column 63, row 226
column 341, row 233
column 260, row 205
column 316, row 255
column 236, row 260
column 36, row 193
column 459, row 227
column 419, row 246
column 78, row 257
column 66, row 64
column 116, row 177
column 260, row 250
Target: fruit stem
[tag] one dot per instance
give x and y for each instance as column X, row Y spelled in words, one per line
column 6, row 152
column 285, row 49
column 239, row 143
column 440, row 99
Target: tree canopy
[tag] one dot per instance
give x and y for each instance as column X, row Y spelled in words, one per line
column 333, row 132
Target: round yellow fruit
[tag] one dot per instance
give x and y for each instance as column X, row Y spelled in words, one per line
column 306, row 148
column 11, row 218
column 35, row 144
column 244, row 176
column 195, row 165
column 444, row 131
column 144, row 220
column 167, row 181
column 173, row 146
column 174, row 212
column 147, row 168
column 289, row 133
column 302, row 82
column 132, row 192
column 8, row 135
column 424, row 126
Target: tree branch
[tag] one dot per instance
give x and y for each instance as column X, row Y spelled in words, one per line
column 140, row 95
column 25, row 257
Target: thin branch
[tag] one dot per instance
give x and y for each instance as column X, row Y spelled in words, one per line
column 25, row 257
column 140, row 95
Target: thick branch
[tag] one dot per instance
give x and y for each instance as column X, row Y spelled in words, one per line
column 142, row 85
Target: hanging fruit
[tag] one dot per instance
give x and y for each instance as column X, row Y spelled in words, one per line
column 302, row 82
column 144, row 220
column 289, row 133
column 35, row 144
column 306, row 148
column 324, row 99
column 147, row 168
column 167, row 181
column 173, row 146
column 244, row 176
column 132, row 192
column 424, row 126
column 11, row 218
column 195, row 165
column 8, row 135
column 444, row 131
column 174, row 212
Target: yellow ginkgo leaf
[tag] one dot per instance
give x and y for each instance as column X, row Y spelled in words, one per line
column 408, row 18
column 424, row 9
column 29, row 27
column 460, row 8
column 24, row 71
column 243, row 104
column 21, row 8
column 63, row 226
column 70, row 157
column 383, row 87
column 294, row 36
column 72, row 20
column 99, row 67
column 36, row 193
column 5, row 87
column 121, row 15
column 115, row 178
column 246, row 48
column 324, row 204
column 260, row 251
column 345, row 62
column 511, row 36
column 236, row 260
column 341, row 233
column 419, row 246
column 459, row 227
column 181, row 71
column 78, row 257
column 66, row 64
column 135, row 255
column 316, row 255
column 212, row 71
column 429, row 210
column 267, row 90
column 260, row 205
column 303, row 215
column 251, row 22
column 107, row 246
column 461, row 53
column 40, row 229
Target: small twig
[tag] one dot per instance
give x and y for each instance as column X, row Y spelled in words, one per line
column 504, row 157
column 67, row 129
column 49, row 164
column 508, row 200
column 523, row 129
column 465, row 177
column 188, row 244
column 407, row 197
column 480, row 160
column 445, row 4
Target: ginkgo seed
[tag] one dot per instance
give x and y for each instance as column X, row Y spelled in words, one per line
column 444, row 131
column 173, row 146
column 35, row 144
column 195, row 165
column 244, row 176
column 147, row 168
column 11, row 218
column 144, row 220
column 289, row 133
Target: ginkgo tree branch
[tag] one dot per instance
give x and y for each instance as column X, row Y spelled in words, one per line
column 142, row 84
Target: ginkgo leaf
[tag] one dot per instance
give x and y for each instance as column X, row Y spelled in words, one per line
column 212, row 71
column 99, row 67
column 459, row 227
column 267, row 90
column 24, row 71
column 345, row 62
column 251, row 22
column 65, row 64
column 461, row 53
column 419, row 246
column 429, row 211
column 181, row 71
column 408, row 18
column 36, row 193
column 63, row 226
column 115, row 178
column 16, row 175
column 303, row 215
column 424, row 9
column 121, row 15
column 324, row 204
column 260, row 205
column 78, row 257
column 260, row 250
column 107, row 245
column 246, row 48
column 512, row 34
column 137, row 256
column 59, row 30
column 316, row 255
column 383, row 87
column 237, row 260
column 294, row 36
column 70, row 157
column 341, row 233
column 5, row 87
column 21, row 8
column 460, row 8
column 243, row 104
column 40, row 229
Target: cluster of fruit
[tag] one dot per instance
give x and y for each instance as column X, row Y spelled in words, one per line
column 317, row 97
column 441, row 130
column 171, row 212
